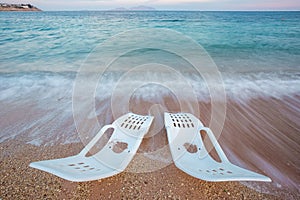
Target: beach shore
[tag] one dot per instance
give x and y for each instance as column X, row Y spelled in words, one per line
column 252, row 135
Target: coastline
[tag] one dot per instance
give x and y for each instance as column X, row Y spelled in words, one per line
column 245, row 139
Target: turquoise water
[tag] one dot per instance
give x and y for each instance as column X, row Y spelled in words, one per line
column 246, row 46
column 236, row 40
column 257, row 53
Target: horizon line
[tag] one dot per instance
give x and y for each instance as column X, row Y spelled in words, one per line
column 114, row 10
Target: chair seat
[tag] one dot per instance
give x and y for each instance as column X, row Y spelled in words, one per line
column 112, row 159
column 191, row 156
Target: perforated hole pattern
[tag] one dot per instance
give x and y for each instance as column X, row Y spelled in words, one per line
column 182, row 120
column 220, row 171
column 82, row 167
column 134, row 122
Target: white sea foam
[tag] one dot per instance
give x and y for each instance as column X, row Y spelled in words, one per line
column 237, row 86
column 52, row 93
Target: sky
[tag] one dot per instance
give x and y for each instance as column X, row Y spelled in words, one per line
column 164, row 4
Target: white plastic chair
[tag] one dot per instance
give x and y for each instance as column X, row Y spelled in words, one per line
column 129, row 131
column 183, row 130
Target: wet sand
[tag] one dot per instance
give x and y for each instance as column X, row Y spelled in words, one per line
column 260, row 135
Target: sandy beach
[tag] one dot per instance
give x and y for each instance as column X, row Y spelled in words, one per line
column 19, row 181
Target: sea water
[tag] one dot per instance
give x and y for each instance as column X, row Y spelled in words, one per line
column 257, row 55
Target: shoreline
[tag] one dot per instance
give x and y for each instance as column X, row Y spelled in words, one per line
column 245, row 140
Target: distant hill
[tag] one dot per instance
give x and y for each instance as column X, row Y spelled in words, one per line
column 137, row 8
column 18, row 7
column 120, row 9
column 142, row 8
